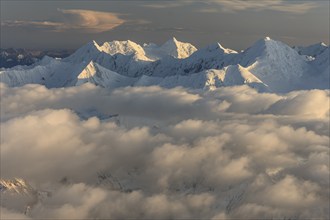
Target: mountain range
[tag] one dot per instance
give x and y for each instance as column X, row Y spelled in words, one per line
column 268, row 66
column 12, row 57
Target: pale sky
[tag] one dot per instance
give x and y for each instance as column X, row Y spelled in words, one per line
column 236, row 24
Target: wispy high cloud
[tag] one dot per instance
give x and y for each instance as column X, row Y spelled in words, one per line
column 240, row 5
column 257, row 5
column 166, row 4
column 75, row 19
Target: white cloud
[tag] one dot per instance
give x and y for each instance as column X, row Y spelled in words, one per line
column 309, row 102
column 75, row 19
column 171, row 153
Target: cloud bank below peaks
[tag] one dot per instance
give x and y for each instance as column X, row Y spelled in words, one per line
column 149, row 152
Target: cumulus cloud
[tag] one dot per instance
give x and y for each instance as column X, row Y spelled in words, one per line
column 74, row 19
column 149, row 152
column 309, row 102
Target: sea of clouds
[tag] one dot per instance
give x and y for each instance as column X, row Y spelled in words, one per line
column 149, row 152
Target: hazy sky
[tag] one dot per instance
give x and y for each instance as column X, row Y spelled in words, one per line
column 234, row 23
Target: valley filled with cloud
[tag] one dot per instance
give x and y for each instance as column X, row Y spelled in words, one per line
column 148, row 152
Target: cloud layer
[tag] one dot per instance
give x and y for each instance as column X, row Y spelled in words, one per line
column 296, row 7
column 274, row 5
column 86, row 21
column 229, row 153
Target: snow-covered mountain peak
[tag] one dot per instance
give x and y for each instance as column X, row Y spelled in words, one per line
column 238, row 67
column 101, row 76
column 174, row 40
column 85, row 53
column 171, row 42
column 267, row 38
column 217, row 47
column 235, row 75
column 125, row 63
column 264, row 43
column 88, row 71
column 92, row 45
column 267, row 42
column 95, row 44
column 122, row 47
column 268, row 49
column 276, row 64
column 322, row 60
column 213, row 47
column 178, row 49
column 311, row 50
column 45, row 60
column 226, row 50
column 243, row 73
